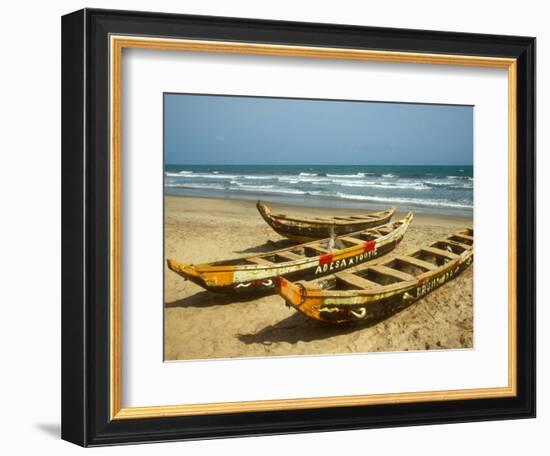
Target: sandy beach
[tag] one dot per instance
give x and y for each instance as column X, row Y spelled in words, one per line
column 203, row 325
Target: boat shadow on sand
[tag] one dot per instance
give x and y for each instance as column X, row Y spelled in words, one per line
column 209, row 299
column 269, row 246
column 299, row 328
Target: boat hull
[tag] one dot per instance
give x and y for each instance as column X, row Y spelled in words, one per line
column 303, row 230
column 362, row 306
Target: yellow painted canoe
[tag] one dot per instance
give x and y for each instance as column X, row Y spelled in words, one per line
column 307, row 228
column 368, row 291
column 304, row 261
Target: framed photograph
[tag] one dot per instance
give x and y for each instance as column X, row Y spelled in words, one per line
column 268, row 227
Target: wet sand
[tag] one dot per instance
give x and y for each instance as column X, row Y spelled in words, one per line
column 204, row 325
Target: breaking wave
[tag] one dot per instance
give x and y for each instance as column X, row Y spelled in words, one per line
column 446, row 187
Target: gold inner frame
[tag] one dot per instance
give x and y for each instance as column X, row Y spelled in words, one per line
column 117, row 44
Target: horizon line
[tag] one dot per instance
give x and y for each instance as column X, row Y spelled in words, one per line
column 307, row 164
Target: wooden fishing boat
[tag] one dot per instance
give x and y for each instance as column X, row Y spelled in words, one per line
column 304, row 229
column 257, row 273
column 365, row 293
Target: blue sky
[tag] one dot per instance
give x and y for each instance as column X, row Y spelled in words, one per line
column 205, row 129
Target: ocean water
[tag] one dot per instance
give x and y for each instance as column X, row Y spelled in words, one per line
column 429, row 189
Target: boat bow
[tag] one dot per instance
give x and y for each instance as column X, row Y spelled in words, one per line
column 185, row 270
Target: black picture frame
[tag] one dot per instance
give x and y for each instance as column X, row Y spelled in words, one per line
column 85, row 225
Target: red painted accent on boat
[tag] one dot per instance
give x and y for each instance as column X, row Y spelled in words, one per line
column 326, row 258
column 421, row 281
column 282, row 282
column 369, row 245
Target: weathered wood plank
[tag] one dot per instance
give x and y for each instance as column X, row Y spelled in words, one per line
column 312, row 285
column 439, row 252
column 459, row 244
column 355, row 281
column 352, row 240
column 290, row 256
column 259, row 260
column 317, row 249
column 464, row 236
column 416, row 262
column 381, row 269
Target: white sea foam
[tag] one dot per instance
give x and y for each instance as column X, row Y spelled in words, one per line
column 302, row 179
column 259, row 177
column 450, row 185
column 453, row 191
column 269, row 189
column 210, row 176
column 195, row 185
column 387, row 185
column 253, row 187
column 349, row 175
column 461, row 177
column 408, row 201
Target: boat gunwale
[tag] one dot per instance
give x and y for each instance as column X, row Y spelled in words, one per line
column 266, row 211
column 375, row 216
column 207, row 268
